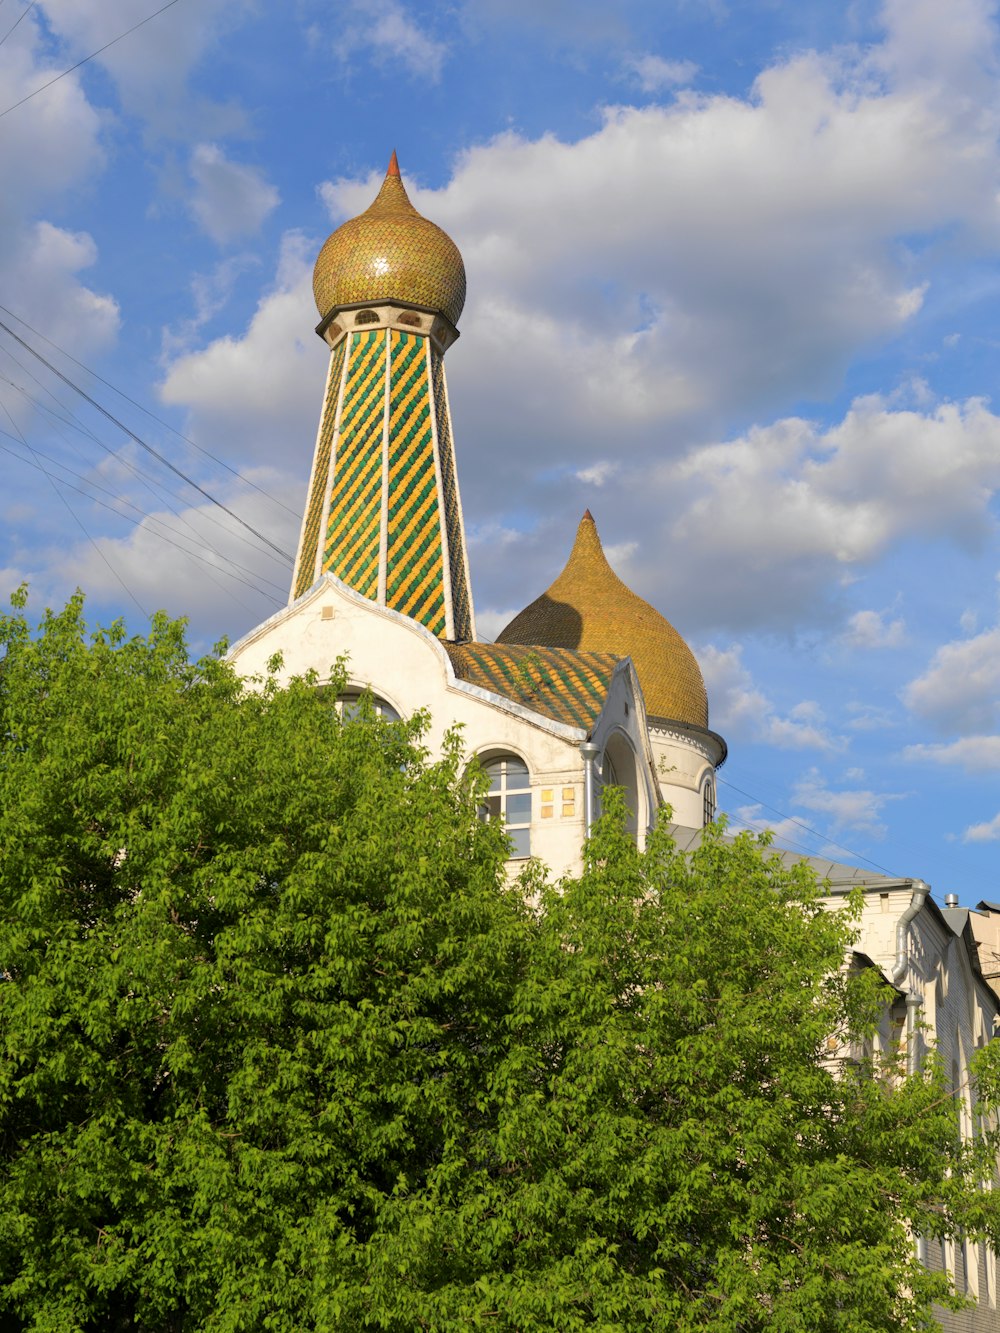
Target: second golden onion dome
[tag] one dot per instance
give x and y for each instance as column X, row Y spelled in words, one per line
column 590, row 608
column 390, row 252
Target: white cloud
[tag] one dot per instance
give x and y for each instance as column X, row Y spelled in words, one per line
column 49, row 147
column 490, row 623
column 211, row 293
column 870, row 629
column 776, row 519
column 198, row 563
column 856, row 809
column 960, row 690
column 748, row 248
column 865, row 717
column 976, row 754
column 151, row 68
column 229, row 199
column 989, row 831
column 392, row 36
column 598, row 473
column 258, row 396
column 740, row 709
column 40, row 271
column 786, row 831
column 652, row 73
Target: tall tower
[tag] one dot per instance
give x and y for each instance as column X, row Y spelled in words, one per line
column 383, row 512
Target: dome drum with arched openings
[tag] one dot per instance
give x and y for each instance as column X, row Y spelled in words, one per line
column 590, row 608
column 390, row 252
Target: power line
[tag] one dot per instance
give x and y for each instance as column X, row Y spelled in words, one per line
column 799, row 824
column 76, row 518
column 197, row 554
column 153, row 485
column 85, row 59
column 17, row 21
column 152, row 415
column 142, row 443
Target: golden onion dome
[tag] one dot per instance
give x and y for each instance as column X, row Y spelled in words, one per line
column 390, row 253
column 590, row 608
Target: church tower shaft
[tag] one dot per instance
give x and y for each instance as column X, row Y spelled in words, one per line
column 383, row 513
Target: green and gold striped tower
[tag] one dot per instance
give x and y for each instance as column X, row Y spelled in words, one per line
column 383, row 512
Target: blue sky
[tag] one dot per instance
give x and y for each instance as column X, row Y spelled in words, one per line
column 733, row 284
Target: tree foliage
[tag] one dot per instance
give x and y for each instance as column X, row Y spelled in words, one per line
column 281, row 1047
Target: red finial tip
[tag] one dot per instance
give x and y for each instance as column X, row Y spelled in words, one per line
column 587, row 514
column 393, row 165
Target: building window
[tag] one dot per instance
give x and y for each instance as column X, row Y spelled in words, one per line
column 618, row 769
column 510, row 796
column 350, row 705
column 708, row 801
column 366, row 317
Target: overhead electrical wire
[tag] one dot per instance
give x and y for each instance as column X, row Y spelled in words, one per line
column 197, row 554
column 17, row 21
column 93, row 54
column 799, row 824
column 152, row 415
column 153, row 484
column 79, row 522
column 126, row 430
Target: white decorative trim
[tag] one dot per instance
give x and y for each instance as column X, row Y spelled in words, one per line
column 539, row 721
column 383, row 536
column 458, row 503
column 685, row 738
column 332, row 469
column 299, row 553
column 449, row 609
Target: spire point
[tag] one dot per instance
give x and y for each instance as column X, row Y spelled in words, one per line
column 393, row 165
column 587, row 516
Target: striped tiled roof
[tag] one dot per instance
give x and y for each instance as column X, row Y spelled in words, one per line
column 559, row 683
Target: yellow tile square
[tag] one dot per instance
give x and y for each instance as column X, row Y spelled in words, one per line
column 569, row 793
column 568, row 809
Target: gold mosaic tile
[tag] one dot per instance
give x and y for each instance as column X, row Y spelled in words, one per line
column 590, row 609
column 390, row 253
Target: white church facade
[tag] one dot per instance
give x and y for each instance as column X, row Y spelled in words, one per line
column 589, row 684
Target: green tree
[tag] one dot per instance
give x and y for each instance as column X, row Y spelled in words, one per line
column 280, row 1047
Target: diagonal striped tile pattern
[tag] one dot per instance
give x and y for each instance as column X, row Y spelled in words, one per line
column 559, row 683
column 353, row 532
column 315, row 512
column 414, row 547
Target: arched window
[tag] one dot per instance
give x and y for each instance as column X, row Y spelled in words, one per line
column 366, row 317
column 618, row 769
column 708, row 800
column 350, row 705
column 407, row 317
column 510, row 796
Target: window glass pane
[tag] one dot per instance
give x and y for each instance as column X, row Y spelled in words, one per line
column 350, row 706
column 491, row 807
column 517, row 773
column 520, row 841
column 519, row 807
